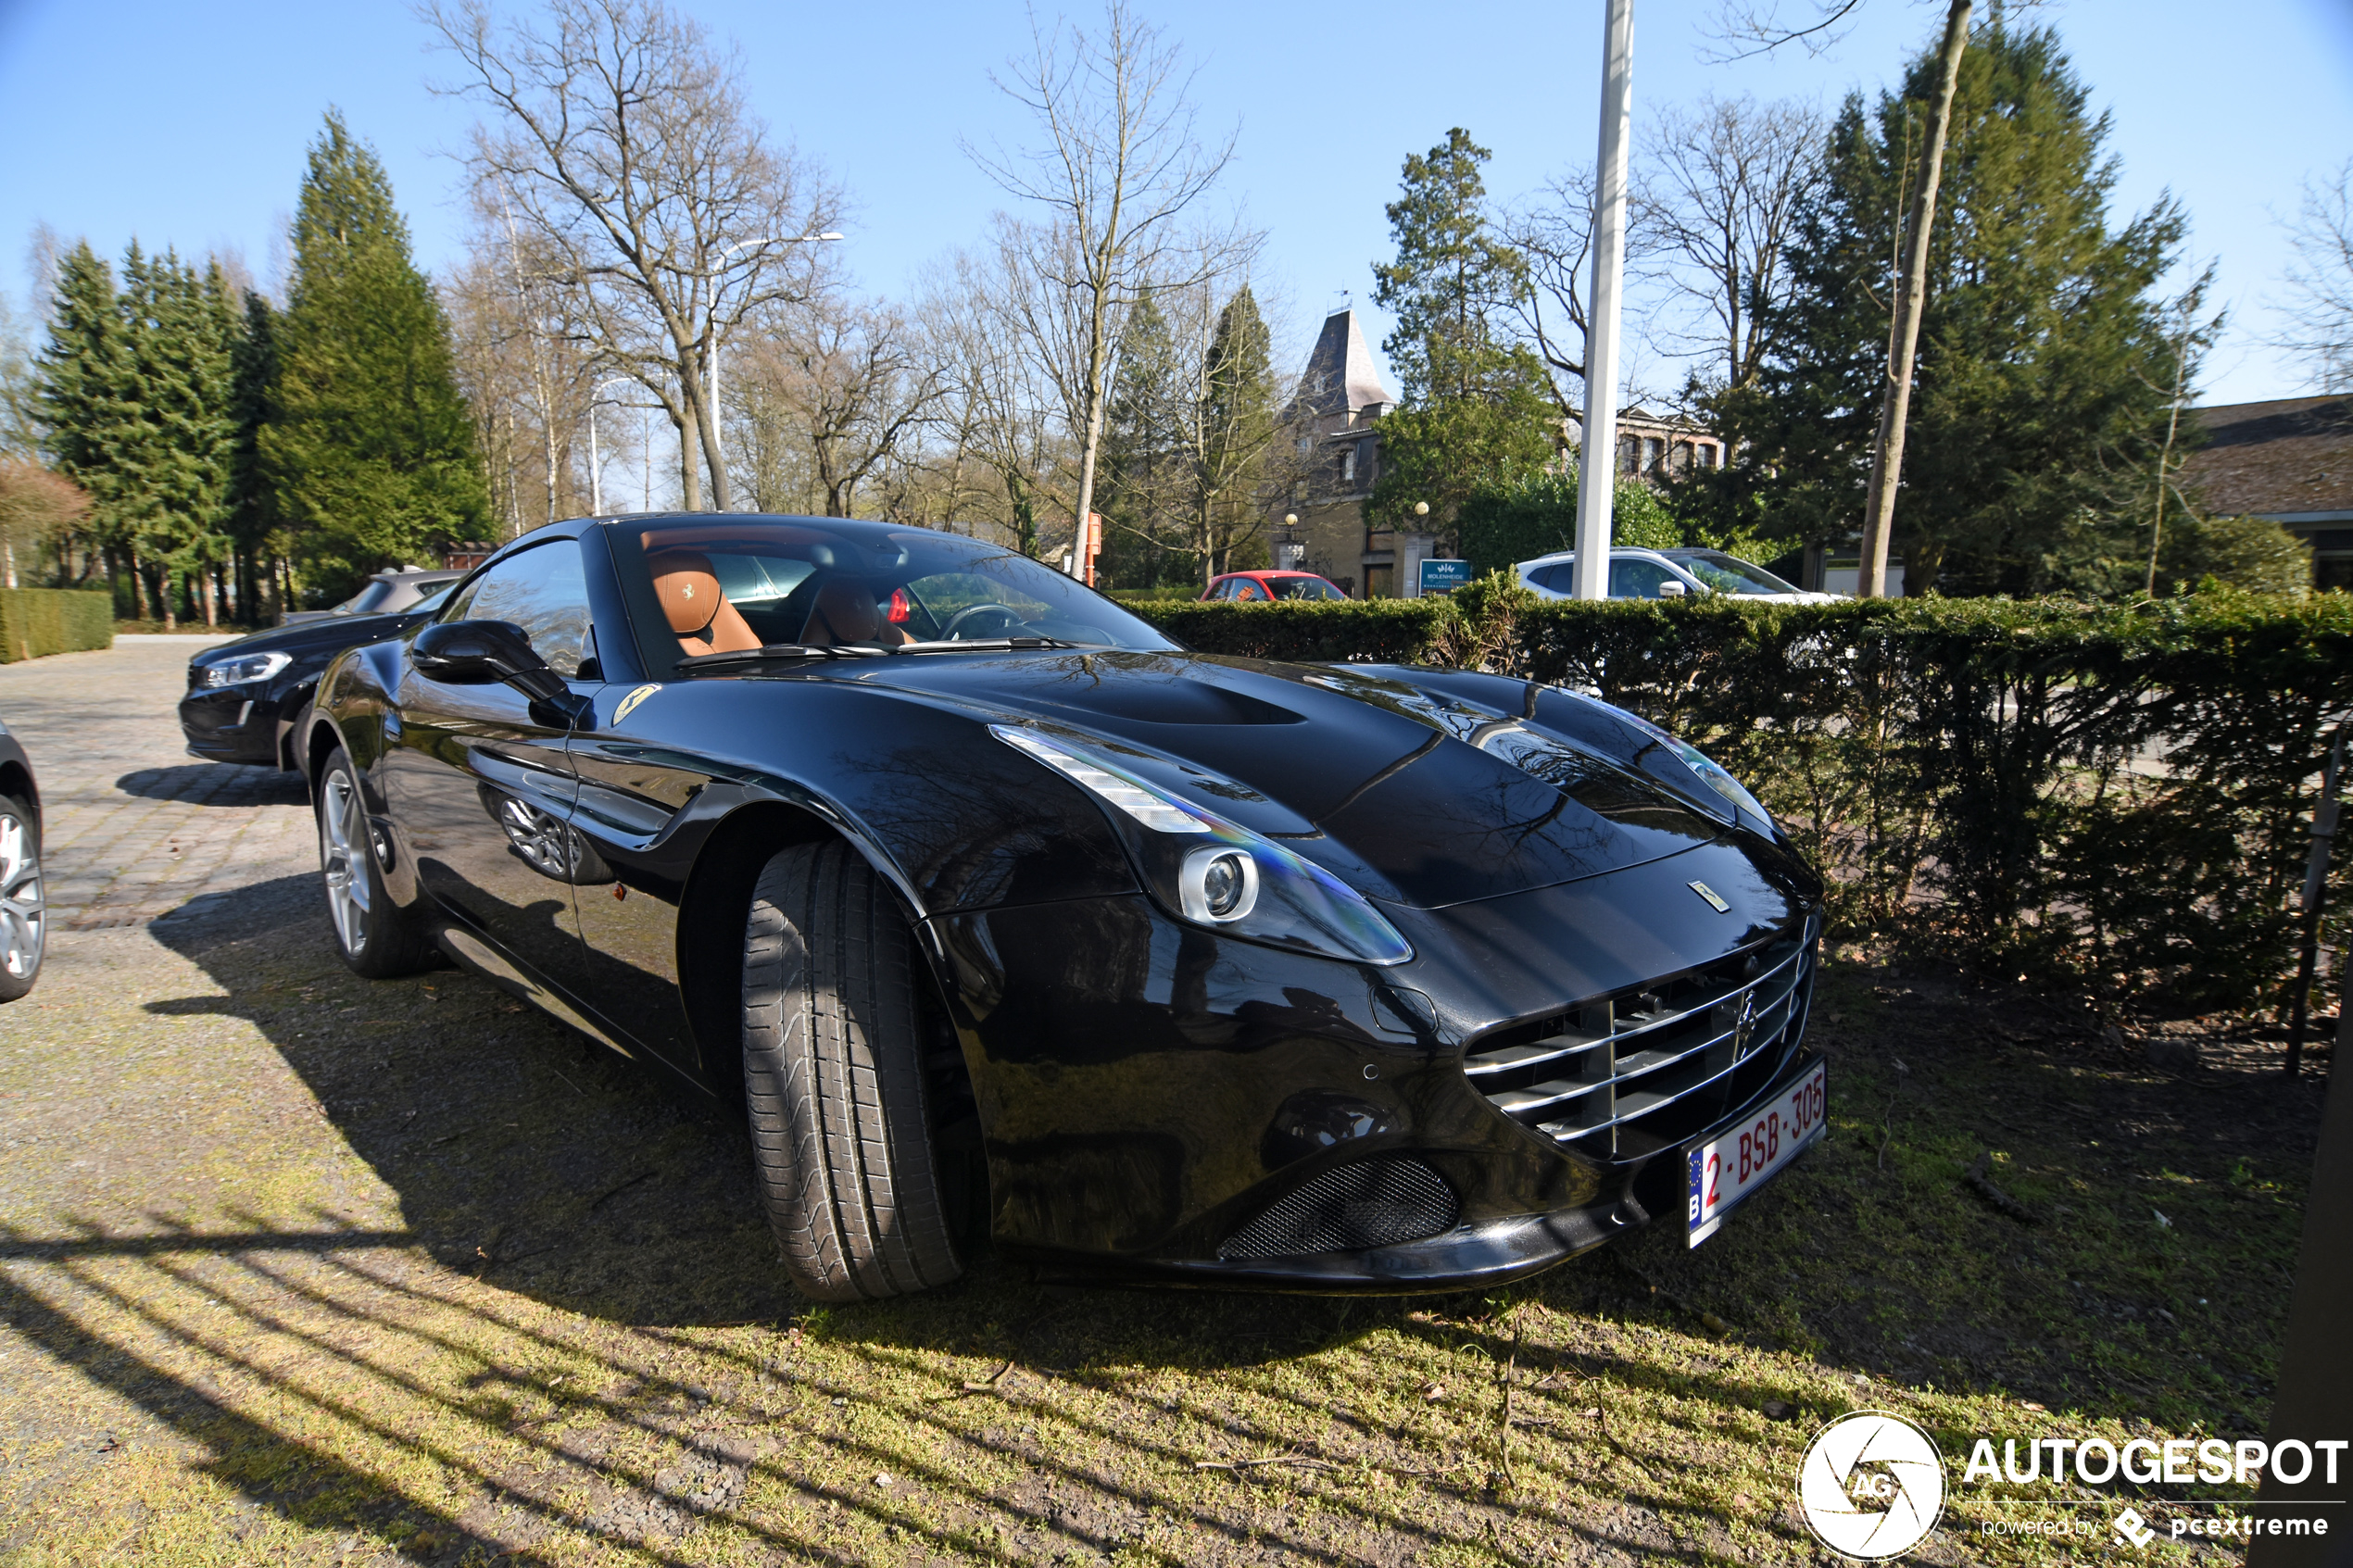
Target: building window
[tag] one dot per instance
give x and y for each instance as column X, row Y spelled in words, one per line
column 1629, row 455
column 1705, row 454
column 1348, row 464
column 1682, row 459
column 1653, row 454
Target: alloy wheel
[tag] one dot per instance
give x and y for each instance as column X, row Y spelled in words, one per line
column 23, row 914
column 342, row 839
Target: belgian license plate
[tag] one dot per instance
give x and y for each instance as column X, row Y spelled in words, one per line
column 1726, row 1169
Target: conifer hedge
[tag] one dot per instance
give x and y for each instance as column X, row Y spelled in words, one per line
column 37, row 621
column 2120, row 792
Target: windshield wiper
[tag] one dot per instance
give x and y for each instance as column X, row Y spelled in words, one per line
column 772, row 651
column 993, row 644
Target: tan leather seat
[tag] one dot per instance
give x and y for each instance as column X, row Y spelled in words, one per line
column 699, row 614
column 846, row 612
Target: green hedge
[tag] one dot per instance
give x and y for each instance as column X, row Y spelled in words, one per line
column 2122, row 792
column 1328, row 632
column 37, row 621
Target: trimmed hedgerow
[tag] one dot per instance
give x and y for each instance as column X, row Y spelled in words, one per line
column 2121, row 791
column 1310, row 631
column 38, row 621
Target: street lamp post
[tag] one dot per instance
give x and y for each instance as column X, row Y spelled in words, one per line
column 1597, row 469
column 718, row 454
column 596, row 468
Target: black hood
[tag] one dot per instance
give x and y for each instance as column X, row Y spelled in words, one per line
column 327, row 637
column 1411, row 793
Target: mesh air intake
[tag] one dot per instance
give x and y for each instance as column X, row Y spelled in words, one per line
column 1371, row 1203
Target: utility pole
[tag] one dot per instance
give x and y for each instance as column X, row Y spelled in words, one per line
column 1597, row 478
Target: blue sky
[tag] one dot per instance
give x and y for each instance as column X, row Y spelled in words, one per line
column 186, row 125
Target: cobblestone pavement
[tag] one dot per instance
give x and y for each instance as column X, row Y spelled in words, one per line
column 264, row 1224
column 127, row 835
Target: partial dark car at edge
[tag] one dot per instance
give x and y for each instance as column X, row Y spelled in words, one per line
column 1001, row 915
column 24, row 919
column 246, row 696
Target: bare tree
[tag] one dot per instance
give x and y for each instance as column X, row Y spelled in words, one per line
column 2321, row 281
column 1002, row 425
column 854, row 386
column 1761, row 28
column 1553, row 233
column 526, row 358
column 622, row 141
column 1119, row 169
column 1723, row 189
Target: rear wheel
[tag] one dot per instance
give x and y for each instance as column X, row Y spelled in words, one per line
column 24, row 918
column 835, row 1036
column 374, row 936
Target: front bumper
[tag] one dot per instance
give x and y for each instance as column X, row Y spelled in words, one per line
column 1497, row 1252
column 1153, row 1094
column 231, row 724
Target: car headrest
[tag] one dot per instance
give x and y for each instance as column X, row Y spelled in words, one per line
column 688, row 590
column 844, row 612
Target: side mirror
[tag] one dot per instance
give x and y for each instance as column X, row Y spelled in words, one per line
column 477, row 652
column 1671, row 589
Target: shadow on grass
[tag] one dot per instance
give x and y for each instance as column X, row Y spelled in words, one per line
column 578, row 1339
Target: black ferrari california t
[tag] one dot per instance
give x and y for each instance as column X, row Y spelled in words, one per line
column 1007, row 919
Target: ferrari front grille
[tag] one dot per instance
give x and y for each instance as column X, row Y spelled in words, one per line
column 1628, row 1074
column 1369, row 1203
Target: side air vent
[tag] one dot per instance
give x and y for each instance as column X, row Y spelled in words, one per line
column 1370, row 1203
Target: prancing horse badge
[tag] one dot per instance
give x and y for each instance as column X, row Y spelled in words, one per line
column 642, row 693
column 1714, row 899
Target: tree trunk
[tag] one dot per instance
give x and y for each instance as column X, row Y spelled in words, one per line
column 690, row 475
column 706, row 420
column 1911, row 292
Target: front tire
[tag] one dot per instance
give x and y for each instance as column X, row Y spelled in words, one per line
column 834, row 1080
column 374, row 936
column 24, row 917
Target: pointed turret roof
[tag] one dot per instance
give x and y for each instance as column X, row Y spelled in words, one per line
column 1341, row 376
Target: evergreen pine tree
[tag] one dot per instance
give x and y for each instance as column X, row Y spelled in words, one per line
column 1237, row 424
column 370, row 447
column 173, row 462
column 1135, row 464
column 82, row 400
column 255, row 525
column 2044, row 361
column 1477, row 410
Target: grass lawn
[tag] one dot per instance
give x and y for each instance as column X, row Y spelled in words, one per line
column 400, row 1273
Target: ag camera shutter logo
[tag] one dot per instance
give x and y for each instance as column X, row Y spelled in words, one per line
column 1871, row 1485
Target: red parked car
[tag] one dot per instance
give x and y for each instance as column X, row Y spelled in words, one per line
column 1263, row 585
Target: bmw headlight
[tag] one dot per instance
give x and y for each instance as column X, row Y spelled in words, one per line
column 1216, row 874
column 243, row 670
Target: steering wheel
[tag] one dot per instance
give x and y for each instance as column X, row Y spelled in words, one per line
column 947, row 633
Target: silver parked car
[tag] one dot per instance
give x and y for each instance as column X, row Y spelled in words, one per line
column 387, row 593
column 1667, row 574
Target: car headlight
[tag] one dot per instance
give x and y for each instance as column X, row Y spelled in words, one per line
column 238, row 672
column 1217, row 874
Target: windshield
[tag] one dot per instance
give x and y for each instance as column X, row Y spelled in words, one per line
column 704, row 586
column 1729, row 574
column 367, row 599
column 1303, row 588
